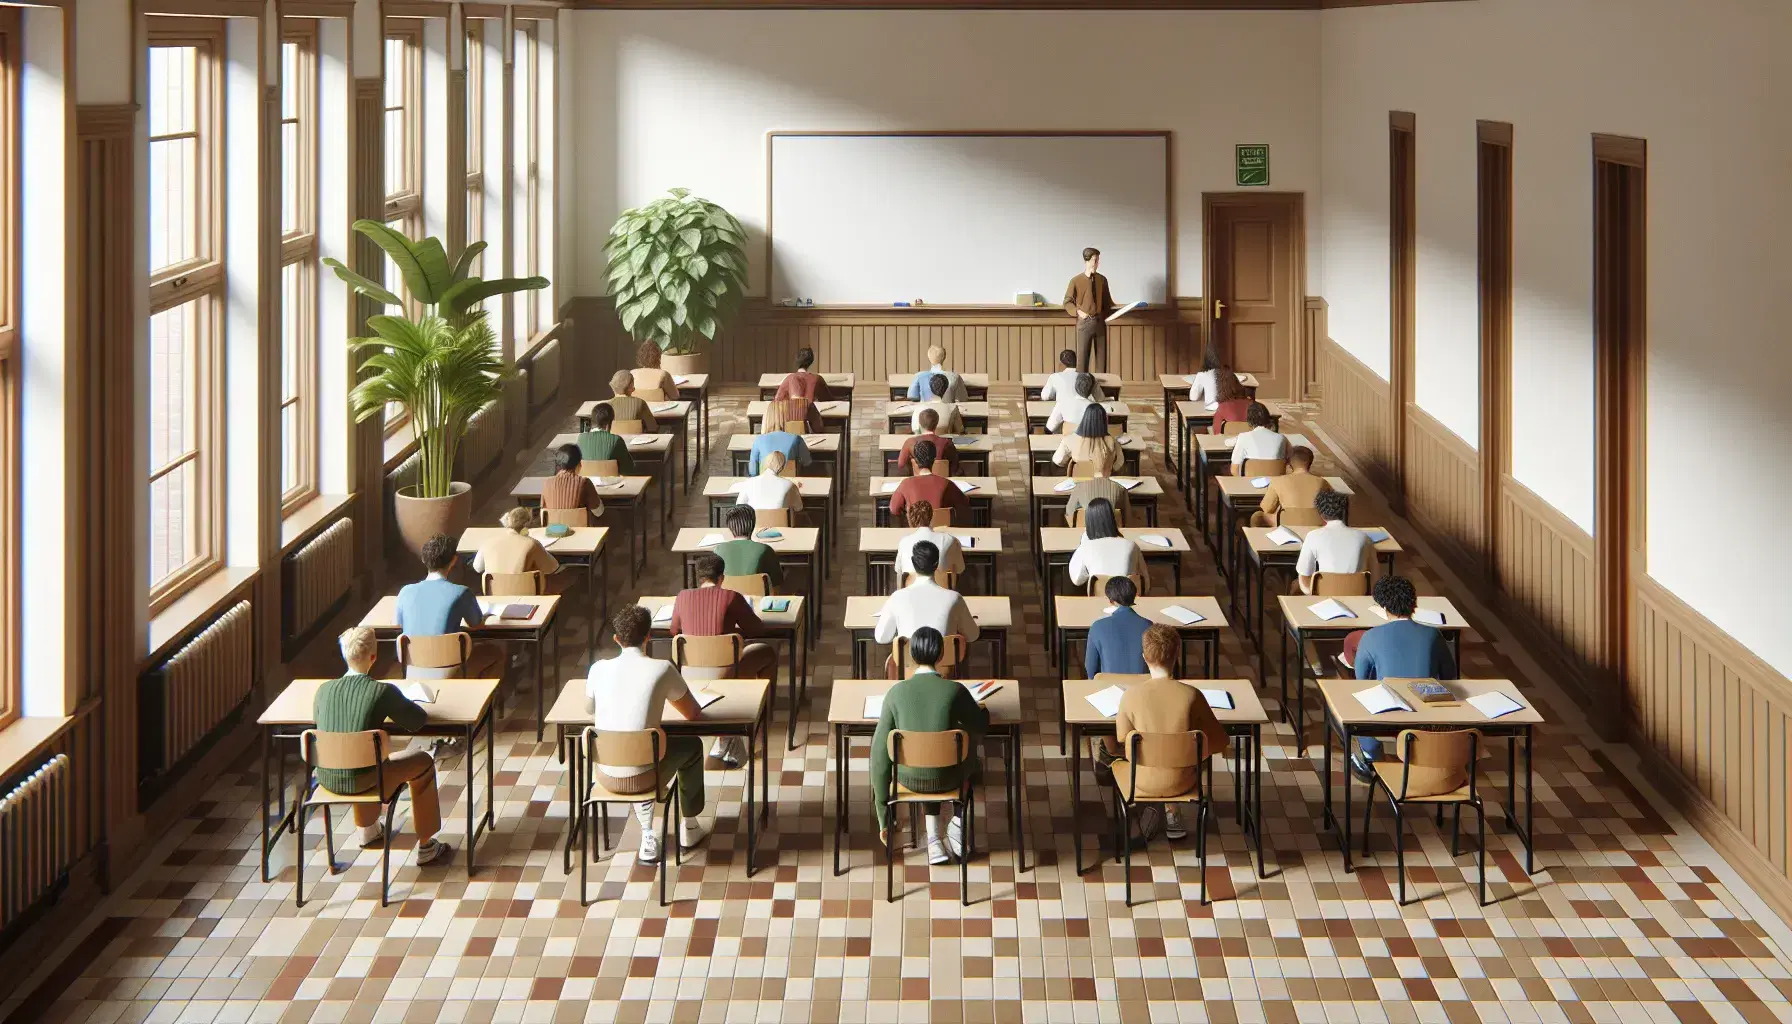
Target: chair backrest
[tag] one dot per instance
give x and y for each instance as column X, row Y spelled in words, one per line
column 600, row 467
column 1263, row 467
column 652, row 395
column 628, row 428
column 764, row 517
column 1166, row 749
column 953, row 651
column 1098, row 585
column 1289, row 516
column 434, row 657
column 790, row 469
column 941, row 469
column 1341, row 584
column 1235, row 427
column 638, row 748
column 513, row 584
column 756, row 584
column 795, row 426
column 573, row 517
column 929, row 749
column 1082, row 470
column 1437, row 762
column 707, row 651
column 942, row 518
column 949, row 580
column 344, row 751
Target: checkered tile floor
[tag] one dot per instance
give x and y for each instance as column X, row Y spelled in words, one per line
column 1616, row 925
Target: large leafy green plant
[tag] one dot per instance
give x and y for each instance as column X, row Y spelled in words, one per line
column 445, row 287
column 441, row 372
column 676, row 270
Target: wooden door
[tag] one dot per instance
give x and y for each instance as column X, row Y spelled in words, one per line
column 1255, row 280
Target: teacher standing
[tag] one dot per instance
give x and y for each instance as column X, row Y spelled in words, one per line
column 1089, row 300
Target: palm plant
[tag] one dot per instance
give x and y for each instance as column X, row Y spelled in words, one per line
column 444, row 287
column 676, row 270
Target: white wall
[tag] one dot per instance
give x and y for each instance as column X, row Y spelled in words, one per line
column 684, row 98
column 1706, row 84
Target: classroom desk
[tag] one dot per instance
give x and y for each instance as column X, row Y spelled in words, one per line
column 463, row 708
column 879, row 543
column 651, row 452
column 836, row 418
column 980, row 491
column 1244, row 722
column 1055, row 544
column 1041, row 447
column 382, row 618
column 994, row 617
column 1300, row 624
column 663, row 413
column 900, row 416
column 1192, row 419
column 800, row 545
column 1213, row 458
column 824, row 449
column 976, row 386
column 1074, row 614
column 1346, row 718
column 585, row 545
column 1047, row 503
column 820, row 502
column 627, row 493
column 785, row 627
column 1039, row 413
column 694, row 387
column 1265, row 554
column 1177, row 387
column 836, row 382
column 846, row 718
column 972, row 450
column 1239, row 497
column 1032, row 384
column 744, row 710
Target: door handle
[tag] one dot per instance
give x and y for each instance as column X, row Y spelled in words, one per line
column 1219, row 309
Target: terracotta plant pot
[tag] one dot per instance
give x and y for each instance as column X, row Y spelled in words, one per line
column 422, row 518
column 684, row 365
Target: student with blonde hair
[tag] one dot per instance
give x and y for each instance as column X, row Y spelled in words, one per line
column 921, row 387
column 770, row 489
column 515, row 551
column 626, row 406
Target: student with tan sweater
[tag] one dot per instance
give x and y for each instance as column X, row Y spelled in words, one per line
column 1296, row 488
column 1161, row 704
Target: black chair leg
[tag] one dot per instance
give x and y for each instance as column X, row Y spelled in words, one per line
column 1440, row 815
column 298, row 865
column 1368, row 810
column 603, row 822
column 330, row 840
column 1125, row 837
column 1399, row 850
column 1481, row 848
column 1456, row 831
column 585, row 849
column 665, row 837
column 890, row 854
column 386, row 856
column 1201, row 846
column 964, row 853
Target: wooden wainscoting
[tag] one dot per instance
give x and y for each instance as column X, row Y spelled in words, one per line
column 1356, row 410
column 1546, row 572
column 1443, row 486
column 1313, row 335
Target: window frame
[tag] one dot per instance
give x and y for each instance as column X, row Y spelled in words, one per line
column 299, row 248
column 525, row 243
column 403, row 209
column 199, row 280
column 11, row 301
column 473, row 61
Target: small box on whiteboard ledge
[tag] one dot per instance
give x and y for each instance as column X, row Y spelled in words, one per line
column 1026, row 298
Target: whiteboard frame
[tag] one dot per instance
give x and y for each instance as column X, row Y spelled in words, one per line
column 1169, row 192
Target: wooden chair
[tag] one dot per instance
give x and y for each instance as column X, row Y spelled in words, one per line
column 942, row 518
column 1437, row 768
column 1098, row 585
column 344, row 751
column 609, row 468
column 1342, row 584
column 707, row 657
column 513, row 584
column 1286, row 516
column 1235, row 427
column 645, row 748
column 770, row 517
column 954, row 652
column 1263, row 467
column 941, row 469
column 573, row 517
column 628, row 428
column 790, row 469
column 758, row 584
column 796, row 426
column 652, row 395
column 1172, row 750
column 949, row 580
column 929, row 750
column 434, row 657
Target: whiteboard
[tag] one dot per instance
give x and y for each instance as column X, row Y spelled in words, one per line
column 966, row 219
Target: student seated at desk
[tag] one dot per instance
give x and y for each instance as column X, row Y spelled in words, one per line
column 927, row 702
column 1332, row 547
column 1115, row 638
column 710, row 610
column 357, row 702
column 514, row 551
column 436, row 606
column 598, row 443
column 1098, row 485
column 774, row 438
column 919, row 515
column 938, row 491
column 1234, row 402
column 1161, row 704
column 769, row 489
column 1262, row 441
column 567, row 488
column 744, row 556
column 1103, row 551
column 625, row 406
column 657, row 383
column 1397, row 649
column 1205, row 385
column 923, row 602
column 1091, row 444
column 1070, row 407
column 795, row 410
column 1063, row 383
column 810, row 387
column 921, row 386
column 928, row 420
column 1296, row 488
column 949, row 419
column 629, row 693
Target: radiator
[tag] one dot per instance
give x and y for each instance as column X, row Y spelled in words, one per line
column 544, row 374
column 36, row 837
column 483, row 442
column 199, row 685
column 318, row 574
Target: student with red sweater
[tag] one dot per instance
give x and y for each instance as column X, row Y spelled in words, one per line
column 942, row 446
column 1234, row 404
column 709, row 610
column 938, row 491
column 803, row 384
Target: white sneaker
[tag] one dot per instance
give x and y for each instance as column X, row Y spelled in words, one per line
column 373, row 836
column 649, row 851
column 691, row 831
column 955, row 837
column 433, row 852
column 936, row 852
column 1173, row 826
column 730, row 750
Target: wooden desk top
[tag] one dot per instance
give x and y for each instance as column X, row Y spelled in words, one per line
column 638, row 444
column 627, row 487
column 1246, row 708
column 458, row 701
column 846, row 706
column 1042, row 408
column 962, row 442
column 1339, row 695
column 990, row 612
column 1047, row 487
column 1257, row 539
column 797, row 540
column 583, row 540
column 1062, row 540
column 1297, row 609
column 384, row 614
column 1110, row 381
column 907, row 408
column 829, row 410
column 888, row 538
column 1240, row 487
column 694, row 381
column 1181, row 382
column 668, row 410
column 791, row 617
column 1048, row 443
column 1080, row 612
column 1214, row 443
column 971, row 380
column 819, row 443
column 834, row 380
column 741, row 704
column 807, row 486
column 1201, row 410
column 982, row 486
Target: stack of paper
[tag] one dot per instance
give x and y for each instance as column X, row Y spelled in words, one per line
column 1283, row 535
column 1379, row 698
column 1064, row 486
column 874, row 707
column 1156, row 539
column 1331, row 609
column 1259, row 481
column 1428, row 616
column 420, row 694
column 1186, row 616
column 1128, row 483
column 1219, row 699
column 1106, row 701
column 705, row 697
column 965, row 485
column 1493, row 704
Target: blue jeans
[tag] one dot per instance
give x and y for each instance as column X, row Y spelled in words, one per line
column 1370, row 747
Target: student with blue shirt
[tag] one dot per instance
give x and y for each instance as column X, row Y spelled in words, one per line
column 1116, row 640
column 776, row 439
column 437, row 606
column 1397, row 649
column 920, row 387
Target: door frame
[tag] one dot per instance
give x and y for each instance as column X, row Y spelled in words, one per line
column 1493, row 272
column 1403, row 292
column 1296, row 205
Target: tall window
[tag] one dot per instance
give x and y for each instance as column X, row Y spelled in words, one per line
column 532, row 87
column 186, row 296
column 298, row 261
column 10, row 60
column 476, row 115
column 404, row 153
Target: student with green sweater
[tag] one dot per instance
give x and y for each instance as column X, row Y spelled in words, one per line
column 744, row 556
column 598, row 443
column 358, row 702
column 927, row 702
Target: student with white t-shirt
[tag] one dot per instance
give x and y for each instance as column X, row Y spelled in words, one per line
column 1070, row 407
column 770, row 489
column 1103, row 551
column 920, row 519
column 1204, row 387
column 1063, row 382
column 1262, row 441
column 1333, row 547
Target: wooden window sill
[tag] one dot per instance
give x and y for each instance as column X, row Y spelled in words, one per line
column 304, row 521
column 399, row 446
column 541, row 338
column 24, row 739
column 207, row 598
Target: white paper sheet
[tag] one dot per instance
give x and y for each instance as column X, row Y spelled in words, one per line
column 639, row 440
column 1493, row 704
column 1283, row 535
column 874, row 708
column 1219, row 699
column 1331, row 609
column 1123, row 310
column 664, row 407
column 1156, row 540
column 548, row 542
column 1123, row 439
column 1428, row 616
column 1064, row 486
column 680, row 380
column 1106, row 701
column 1128, row 483
column 890, row 486
column 967, row 542
column 710, row 540
column 1259, row 482
column 705, row 698
column 1186, row 616
column 663, row 613
column 965, row 485
column 1212, row 406
column 420, row 694
column 1378, row 698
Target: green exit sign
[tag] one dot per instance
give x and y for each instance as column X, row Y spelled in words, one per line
column 1253, row 166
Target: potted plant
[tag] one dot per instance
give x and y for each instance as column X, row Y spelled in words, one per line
column 441, row 368
column 677, row 271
